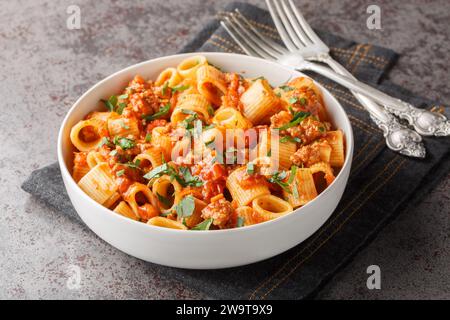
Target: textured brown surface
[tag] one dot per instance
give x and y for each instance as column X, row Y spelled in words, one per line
column 44, row 67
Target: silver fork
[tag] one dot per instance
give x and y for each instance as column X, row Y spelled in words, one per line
column 295, row 32
column 399, row 138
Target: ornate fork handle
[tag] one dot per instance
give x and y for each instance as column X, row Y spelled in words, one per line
column 398, row 137
column 425, row 122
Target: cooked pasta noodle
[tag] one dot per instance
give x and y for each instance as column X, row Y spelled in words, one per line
column 204, row 149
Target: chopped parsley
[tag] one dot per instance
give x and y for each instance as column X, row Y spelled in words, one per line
column 209, row 143
column 180, row 88
column 210, row 110
column 163, row 200
column 113, row 153
column 290, row 139
column 240, row 222
column 278, row 178
column 205, row 225
column 148, row 137
column 124, row 143
column 298, row 117
column 161, row 112
column 164, row 88
column 189, row 180
column 185, row 207
column 113, row 105
column 120, row 173
column 287, row 88
column 106, row 142
column 251, row 168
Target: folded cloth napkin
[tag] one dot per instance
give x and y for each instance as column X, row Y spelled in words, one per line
column 381, row 185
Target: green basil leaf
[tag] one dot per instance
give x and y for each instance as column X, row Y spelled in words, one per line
column 186, row 207
column 205, row 225
column 162, row 112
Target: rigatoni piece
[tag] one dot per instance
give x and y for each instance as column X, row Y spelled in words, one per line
column 124, row 209
column 150, row 158
column 196, row 217
column 169, row 75
column 269, row 207
column 189, row 66
column 211, row 84
column 302, row 190
column 86, row 135
column 243, row 196
column 168, row 193
column 336, row 141
column 98, row 183
column 260, row 102
column 188, row 105
column 80, row 166
column 231, row 118
column 161, row 139
column 123, row 127
column 279, row 151
column 142, row 201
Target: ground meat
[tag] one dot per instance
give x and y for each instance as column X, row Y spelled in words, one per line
column 309, row 155
column 142, row 98
column 280, row 119
column 308, row 130
column 232, row 97
column 220, row 211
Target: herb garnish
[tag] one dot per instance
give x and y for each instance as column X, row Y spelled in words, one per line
column 124, row 143
column 290, row 139
column 163, row 200
column 298, row 117
column 205, row 225
column 123, row 125
column 112, row 105
column 287, row 88
column 186, row 207
column 277, row 178
column 106, row 141
column 240, row 222
column 189, row 180
column 164, row 88
column 120, row 173
column 161, row 112
column 148, row 137
column 251, row 168
column 210, row 110
column 180, row 88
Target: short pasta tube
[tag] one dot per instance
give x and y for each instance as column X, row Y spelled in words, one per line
column 80, row 166
column 167, row 192
column 189, row 66
column 188, row 105
column 259, row 102
column 166, row 223
column 243, row 196
column 211, row 84
column 87, row 134
column 124, row 209
column 123, row 127
column 278, row 150
column 150, row 158
column 112, row 200
column 328, row 175
column 302, row 190
column 169, row 76
column 269, row 207
column 142, row 201
column 98, row 183
column 161, row 139
column 336, row 141
column 231, row 118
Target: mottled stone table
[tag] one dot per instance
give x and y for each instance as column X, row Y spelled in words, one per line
column 44, row 67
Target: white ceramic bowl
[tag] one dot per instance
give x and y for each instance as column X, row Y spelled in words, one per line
column 207, row 249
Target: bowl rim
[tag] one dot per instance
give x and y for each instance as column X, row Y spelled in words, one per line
column 111, row 214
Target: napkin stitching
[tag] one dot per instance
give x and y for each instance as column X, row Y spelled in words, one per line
column 330, row 223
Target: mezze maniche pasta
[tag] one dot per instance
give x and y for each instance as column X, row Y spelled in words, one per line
column 201, row 149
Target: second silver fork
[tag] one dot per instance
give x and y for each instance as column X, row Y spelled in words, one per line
column 398, row 137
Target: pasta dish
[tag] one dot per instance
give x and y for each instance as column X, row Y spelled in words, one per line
column 203, row 149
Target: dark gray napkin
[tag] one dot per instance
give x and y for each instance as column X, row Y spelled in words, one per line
column 382, row 183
